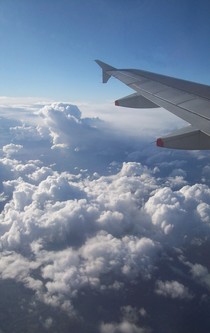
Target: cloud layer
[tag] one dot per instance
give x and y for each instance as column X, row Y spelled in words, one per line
column 126, row 235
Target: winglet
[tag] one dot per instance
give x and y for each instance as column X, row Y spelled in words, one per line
column 105, row 70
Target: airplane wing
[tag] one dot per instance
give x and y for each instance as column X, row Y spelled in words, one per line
column 187, row 100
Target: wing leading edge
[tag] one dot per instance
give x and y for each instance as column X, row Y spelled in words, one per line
column 187, row 100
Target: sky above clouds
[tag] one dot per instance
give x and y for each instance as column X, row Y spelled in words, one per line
column 100, row 230
column 48, row 47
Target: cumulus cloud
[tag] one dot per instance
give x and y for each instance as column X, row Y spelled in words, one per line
column 74, row 236
column 123, row 327
column 176, row 212
column 99, row 226
column 28, row 132
column 66, row 126
column 11, row 149
column 65, row 211
column 173, row 289
column 128, row 322
column 201, row 274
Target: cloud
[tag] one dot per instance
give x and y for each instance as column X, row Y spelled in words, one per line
column 201, row 274
column 100, row 228
column 66, row 126
column 28, row 133
column 128, row 322
column 79, row 230
column 176, row 212
column 123, row 327
column 11, row 149
column 134, row 122
column 173, row 289
column 64, row 211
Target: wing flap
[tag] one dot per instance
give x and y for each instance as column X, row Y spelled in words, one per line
column 187, row 138
column 136, row 101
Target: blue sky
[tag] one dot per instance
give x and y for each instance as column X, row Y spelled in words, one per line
column 48, row 46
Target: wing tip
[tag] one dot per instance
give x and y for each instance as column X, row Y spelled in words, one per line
column 106, row 69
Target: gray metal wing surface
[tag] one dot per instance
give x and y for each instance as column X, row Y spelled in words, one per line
column 187, row 100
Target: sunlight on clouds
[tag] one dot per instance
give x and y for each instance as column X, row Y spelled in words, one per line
column 107, row 228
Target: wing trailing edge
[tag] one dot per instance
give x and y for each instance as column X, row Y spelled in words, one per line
column 136, row 101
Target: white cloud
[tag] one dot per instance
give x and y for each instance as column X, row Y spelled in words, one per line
column 65, row 124
column 135, row 122
column 62, row 209
column 165, row 209
column 16, row 266
column 107, row 221
column 65, row 232
column 203, row 210
column 29, row 133
column 176, row 212
column 173, row 289
column 123, row 327
column 11, row 149
column 201, row 274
